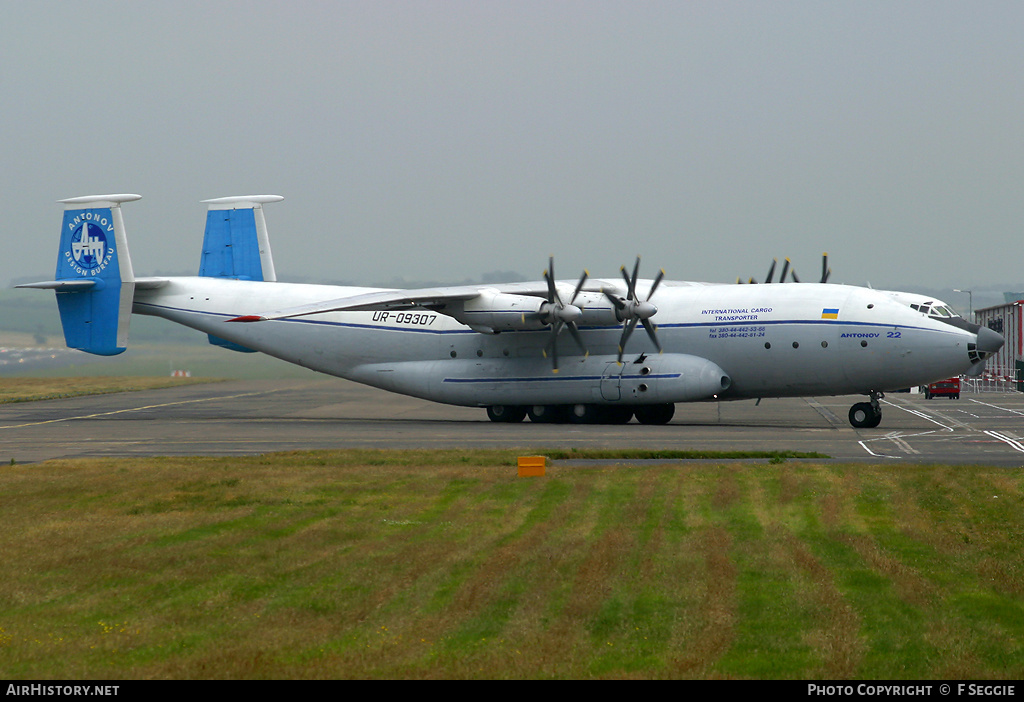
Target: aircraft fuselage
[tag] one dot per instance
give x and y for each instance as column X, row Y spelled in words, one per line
column 719, row 342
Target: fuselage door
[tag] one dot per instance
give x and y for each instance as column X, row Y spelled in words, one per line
column 611, row 379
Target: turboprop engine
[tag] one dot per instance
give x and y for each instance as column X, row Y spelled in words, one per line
column 492, row 312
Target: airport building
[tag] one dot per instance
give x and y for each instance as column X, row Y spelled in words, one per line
column 1006, row 368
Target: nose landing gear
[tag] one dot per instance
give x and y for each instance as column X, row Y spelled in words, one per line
column 867, row 415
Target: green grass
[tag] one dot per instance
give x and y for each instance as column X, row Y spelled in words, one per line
column 32, row 389
column 445, row 564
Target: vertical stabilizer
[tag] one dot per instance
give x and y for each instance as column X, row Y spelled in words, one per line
column 236, row 243
column 95, row 283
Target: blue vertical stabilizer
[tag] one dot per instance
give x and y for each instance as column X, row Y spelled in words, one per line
column 95, row 283
column 236, row 244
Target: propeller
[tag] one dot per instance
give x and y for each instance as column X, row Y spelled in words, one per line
column 825, row 271
column 561, row 315
column 632, row 311
column 771, row 273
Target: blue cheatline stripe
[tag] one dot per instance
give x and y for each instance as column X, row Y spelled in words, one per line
column 769, row 323
column 555, row 378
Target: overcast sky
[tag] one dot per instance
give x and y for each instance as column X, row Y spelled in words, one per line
column 438, row 140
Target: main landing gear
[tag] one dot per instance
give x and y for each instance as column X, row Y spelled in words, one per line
column 867, row 415
column 582, row 414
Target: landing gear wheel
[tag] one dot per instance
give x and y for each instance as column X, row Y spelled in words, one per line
column 655, row 414
column 864, row 415
column 506, row 413
column 585, row 414
column 547, row 414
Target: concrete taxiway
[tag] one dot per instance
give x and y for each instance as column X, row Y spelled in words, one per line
column 254, row 417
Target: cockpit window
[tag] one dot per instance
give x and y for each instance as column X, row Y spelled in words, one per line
column 933, row 309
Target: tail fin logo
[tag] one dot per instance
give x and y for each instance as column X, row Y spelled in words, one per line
column 89, row 253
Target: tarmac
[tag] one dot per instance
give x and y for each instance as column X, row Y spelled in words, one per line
column 256, row 417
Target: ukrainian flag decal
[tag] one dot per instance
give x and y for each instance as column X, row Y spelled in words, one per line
column 830, row 313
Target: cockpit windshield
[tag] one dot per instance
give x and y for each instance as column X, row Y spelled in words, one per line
column 932, row 309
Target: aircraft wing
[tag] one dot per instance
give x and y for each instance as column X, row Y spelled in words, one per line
column 430, row 298
column 435, row 299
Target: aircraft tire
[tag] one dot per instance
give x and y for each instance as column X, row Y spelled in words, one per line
column 655, row 414
column 547, row 414
column 864, row 416
column 585, row 414
column 507, row 414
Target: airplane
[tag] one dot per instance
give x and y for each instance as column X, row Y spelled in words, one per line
column 553, row 350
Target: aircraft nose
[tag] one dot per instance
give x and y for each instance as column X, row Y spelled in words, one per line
column 989, row 341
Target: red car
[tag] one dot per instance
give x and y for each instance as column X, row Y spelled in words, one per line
column 949, row 388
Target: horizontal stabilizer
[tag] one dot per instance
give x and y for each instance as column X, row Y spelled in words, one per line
column 61, row 285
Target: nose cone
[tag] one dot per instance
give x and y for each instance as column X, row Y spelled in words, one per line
column 989, row 342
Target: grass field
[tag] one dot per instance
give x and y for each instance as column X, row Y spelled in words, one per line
column 31, row 389
column 445, row 564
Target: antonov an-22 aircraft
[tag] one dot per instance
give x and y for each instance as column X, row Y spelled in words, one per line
column 554, row 350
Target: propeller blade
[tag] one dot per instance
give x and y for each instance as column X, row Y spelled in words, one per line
column 795, row 279
column 825, row 270
column 626, row 332
column 656, row 283
column 550, row 349
column 650, row 327
column 579, row 286
column 549, row 278
column 625, row 277
column 576, row 336
column 771, row 271
column 619, row 304
column 785, row 269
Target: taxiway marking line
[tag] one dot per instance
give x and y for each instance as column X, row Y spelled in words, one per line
column 1014, row 443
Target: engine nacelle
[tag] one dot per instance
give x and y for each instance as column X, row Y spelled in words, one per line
column 492, row 312
column 597, row 310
